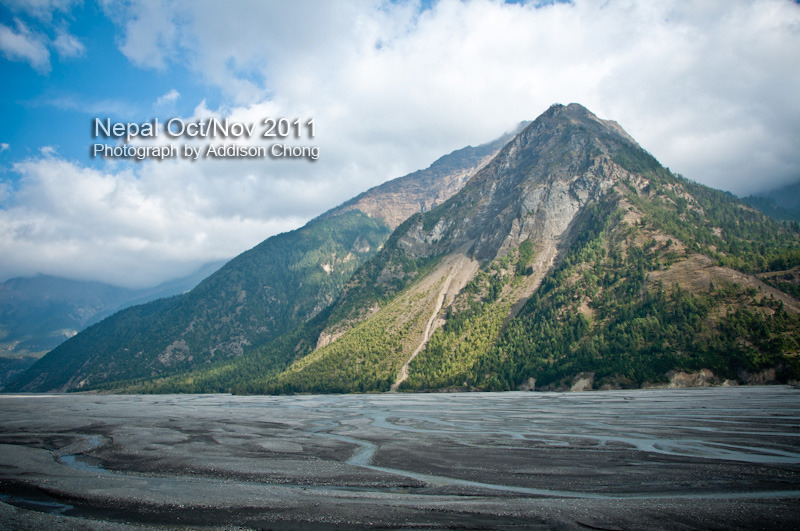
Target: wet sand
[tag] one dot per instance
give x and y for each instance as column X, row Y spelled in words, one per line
column 699, row 458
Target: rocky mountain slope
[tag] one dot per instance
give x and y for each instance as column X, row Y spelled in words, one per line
column 395, row 201
column 572, row 259
column 259, row 295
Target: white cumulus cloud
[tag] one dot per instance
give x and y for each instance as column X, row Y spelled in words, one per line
column 68, row 46
column 122, row 227
column 695, row 83
column 24, row 45
column 168, row 98
column 708, row 87
column 29, row 41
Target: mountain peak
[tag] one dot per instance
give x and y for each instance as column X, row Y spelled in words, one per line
column 534, row 187
column 571, row 111
column 572, row 108
column 577, row 113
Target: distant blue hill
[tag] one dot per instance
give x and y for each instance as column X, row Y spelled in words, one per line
column 39, row 313
column 781, row 203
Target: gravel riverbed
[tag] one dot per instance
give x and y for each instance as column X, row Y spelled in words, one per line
column 695, row 458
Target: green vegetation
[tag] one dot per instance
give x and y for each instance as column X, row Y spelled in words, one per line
column 473, row 323
column 612, row 307
column 596, row 312
column 381, row 278
column 772, row 209
column 782, row 204
column 368, row 356
column 239, row 375
column 717, row 225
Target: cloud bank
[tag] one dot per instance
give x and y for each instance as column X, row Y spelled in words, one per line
column 708, row 87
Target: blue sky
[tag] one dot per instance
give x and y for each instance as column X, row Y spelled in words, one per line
column 710, row 88
column 52, row 103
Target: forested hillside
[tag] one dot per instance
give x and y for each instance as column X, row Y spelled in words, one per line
column 251, row 300
column 640, row 295
column 254, row 299
column 655, row 274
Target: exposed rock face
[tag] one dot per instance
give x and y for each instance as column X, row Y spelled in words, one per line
column 395, row 201
column 767, row 376
column 583, row 382
column 701, row 378
column 395, row 205
column 533, row 188
column 178, row 350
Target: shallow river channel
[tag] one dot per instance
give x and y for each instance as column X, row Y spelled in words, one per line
column 657, row 459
